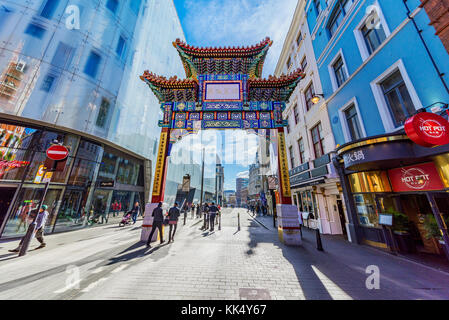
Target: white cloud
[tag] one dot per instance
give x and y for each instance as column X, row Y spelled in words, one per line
column 239, row 23
column 243, row 174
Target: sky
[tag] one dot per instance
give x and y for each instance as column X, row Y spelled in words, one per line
column 219, row 23
column 237, row 23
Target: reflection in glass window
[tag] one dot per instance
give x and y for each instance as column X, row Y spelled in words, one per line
column 398, row 98
column 93, row 62
column 49, row 8
column 47, row 83
column 35, row 31
column 373, row 37
column 112, row 5
column 366, row 210
column 103, row 113
column 352, row 120
column 121, row 46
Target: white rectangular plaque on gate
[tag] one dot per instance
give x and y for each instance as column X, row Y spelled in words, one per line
column 222, row 91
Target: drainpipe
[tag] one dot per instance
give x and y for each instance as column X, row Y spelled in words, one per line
column 419, row 31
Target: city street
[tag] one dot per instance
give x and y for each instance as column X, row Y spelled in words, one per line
column 228, row 264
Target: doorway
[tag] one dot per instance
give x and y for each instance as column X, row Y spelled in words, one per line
column 6, row 197
column 341, row 214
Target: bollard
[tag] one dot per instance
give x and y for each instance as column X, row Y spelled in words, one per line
column 319, row 245
column 219, row 222
column 185, row 217
column 238, row 221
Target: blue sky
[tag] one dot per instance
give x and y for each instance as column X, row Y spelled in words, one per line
column 236, row 23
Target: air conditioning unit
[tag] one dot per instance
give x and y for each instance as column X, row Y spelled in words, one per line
column 21, row 66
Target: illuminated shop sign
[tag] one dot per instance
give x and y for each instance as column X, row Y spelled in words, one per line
column 13, row 164
column 423, row 177
column 427, row 129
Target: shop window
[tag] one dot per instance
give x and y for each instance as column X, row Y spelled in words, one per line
column 366, row 210
column 372, row 181
column 49, row 8
column 317, row 140
column 25, row 208
column 398, row 98
column 108, row 166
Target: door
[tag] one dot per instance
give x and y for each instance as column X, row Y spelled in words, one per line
column 6, row 197
column 341, row 214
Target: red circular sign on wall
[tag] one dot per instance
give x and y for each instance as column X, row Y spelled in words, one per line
column 57, row 153
column 427, row 129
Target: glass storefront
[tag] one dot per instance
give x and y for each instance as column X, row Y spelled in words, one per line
column 75, row 194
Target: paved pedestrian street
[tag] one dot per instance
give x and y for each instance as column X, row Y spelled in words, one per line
column 249, row 264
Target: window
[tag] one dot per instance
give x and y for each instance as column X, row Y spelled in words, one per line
column 292, row 158
column 304, row 63
column 289, row 62
column 103, row 113
column 299, row 38
column 49, row 8
column 112, row 5
column 317, row 6
column 63, row 56
column 352, row 120
column 317, row 140
column 340, row 74
column 373, row 37
column 47, row 83
column 35, row 31
column 398, row 98
column 309, row 93
column 302, row 155
column 121, row 45
column 92, row 64
column 340, row 11
column 295, row 111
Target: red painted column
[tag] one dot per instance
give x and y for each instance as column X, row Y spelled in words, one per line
column 283, row 174
column 160, row 174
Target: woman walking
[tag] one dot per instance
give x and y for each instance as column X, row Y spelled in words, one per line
column 173, row 217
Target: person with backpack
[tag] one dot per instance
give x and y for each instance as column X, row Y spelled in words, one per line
column 213, row 210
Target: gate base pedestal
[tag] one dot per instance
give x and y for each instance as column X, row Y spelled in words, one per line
column 289, row 228
column 148, row 223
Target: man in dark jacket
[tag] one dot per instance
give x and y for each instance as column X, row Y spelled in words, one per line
column 173, row 216
column 158, row 215
column 213, row 210
column 135, row 212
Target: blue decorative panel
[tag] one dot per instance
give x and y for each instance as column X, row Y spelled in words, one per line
column 236, row 116
column 265, row 116
column 222, row 106
column 194, row 116
column 208, row 116
column 222, row 116
column 181, row 116
column 251, row 116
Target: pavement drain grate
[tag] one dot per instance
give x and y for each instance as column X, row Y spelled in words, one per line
column 254, row 294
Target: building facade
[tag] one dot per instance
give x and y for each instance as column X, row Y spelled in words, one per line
column 241, row 187
column 310, row 143
column 70, row 72
column 380, row 63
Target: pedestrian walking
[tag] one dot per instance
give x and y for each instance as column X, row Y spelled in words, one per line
column 40, row 222
column 198, row 210
column 206, row 216
column 173, row 217
column 135, row 212
column 158, row 215
column 213, row 210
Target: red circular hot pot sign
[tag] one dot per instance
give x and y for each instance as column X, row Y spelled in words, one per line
column 427, row 129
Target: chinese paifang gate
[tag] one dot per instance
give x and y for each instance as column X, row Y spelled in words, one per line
column 224, row 90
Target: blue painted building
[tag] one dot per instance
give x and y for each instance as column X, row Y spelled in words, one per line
column 380, row 62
